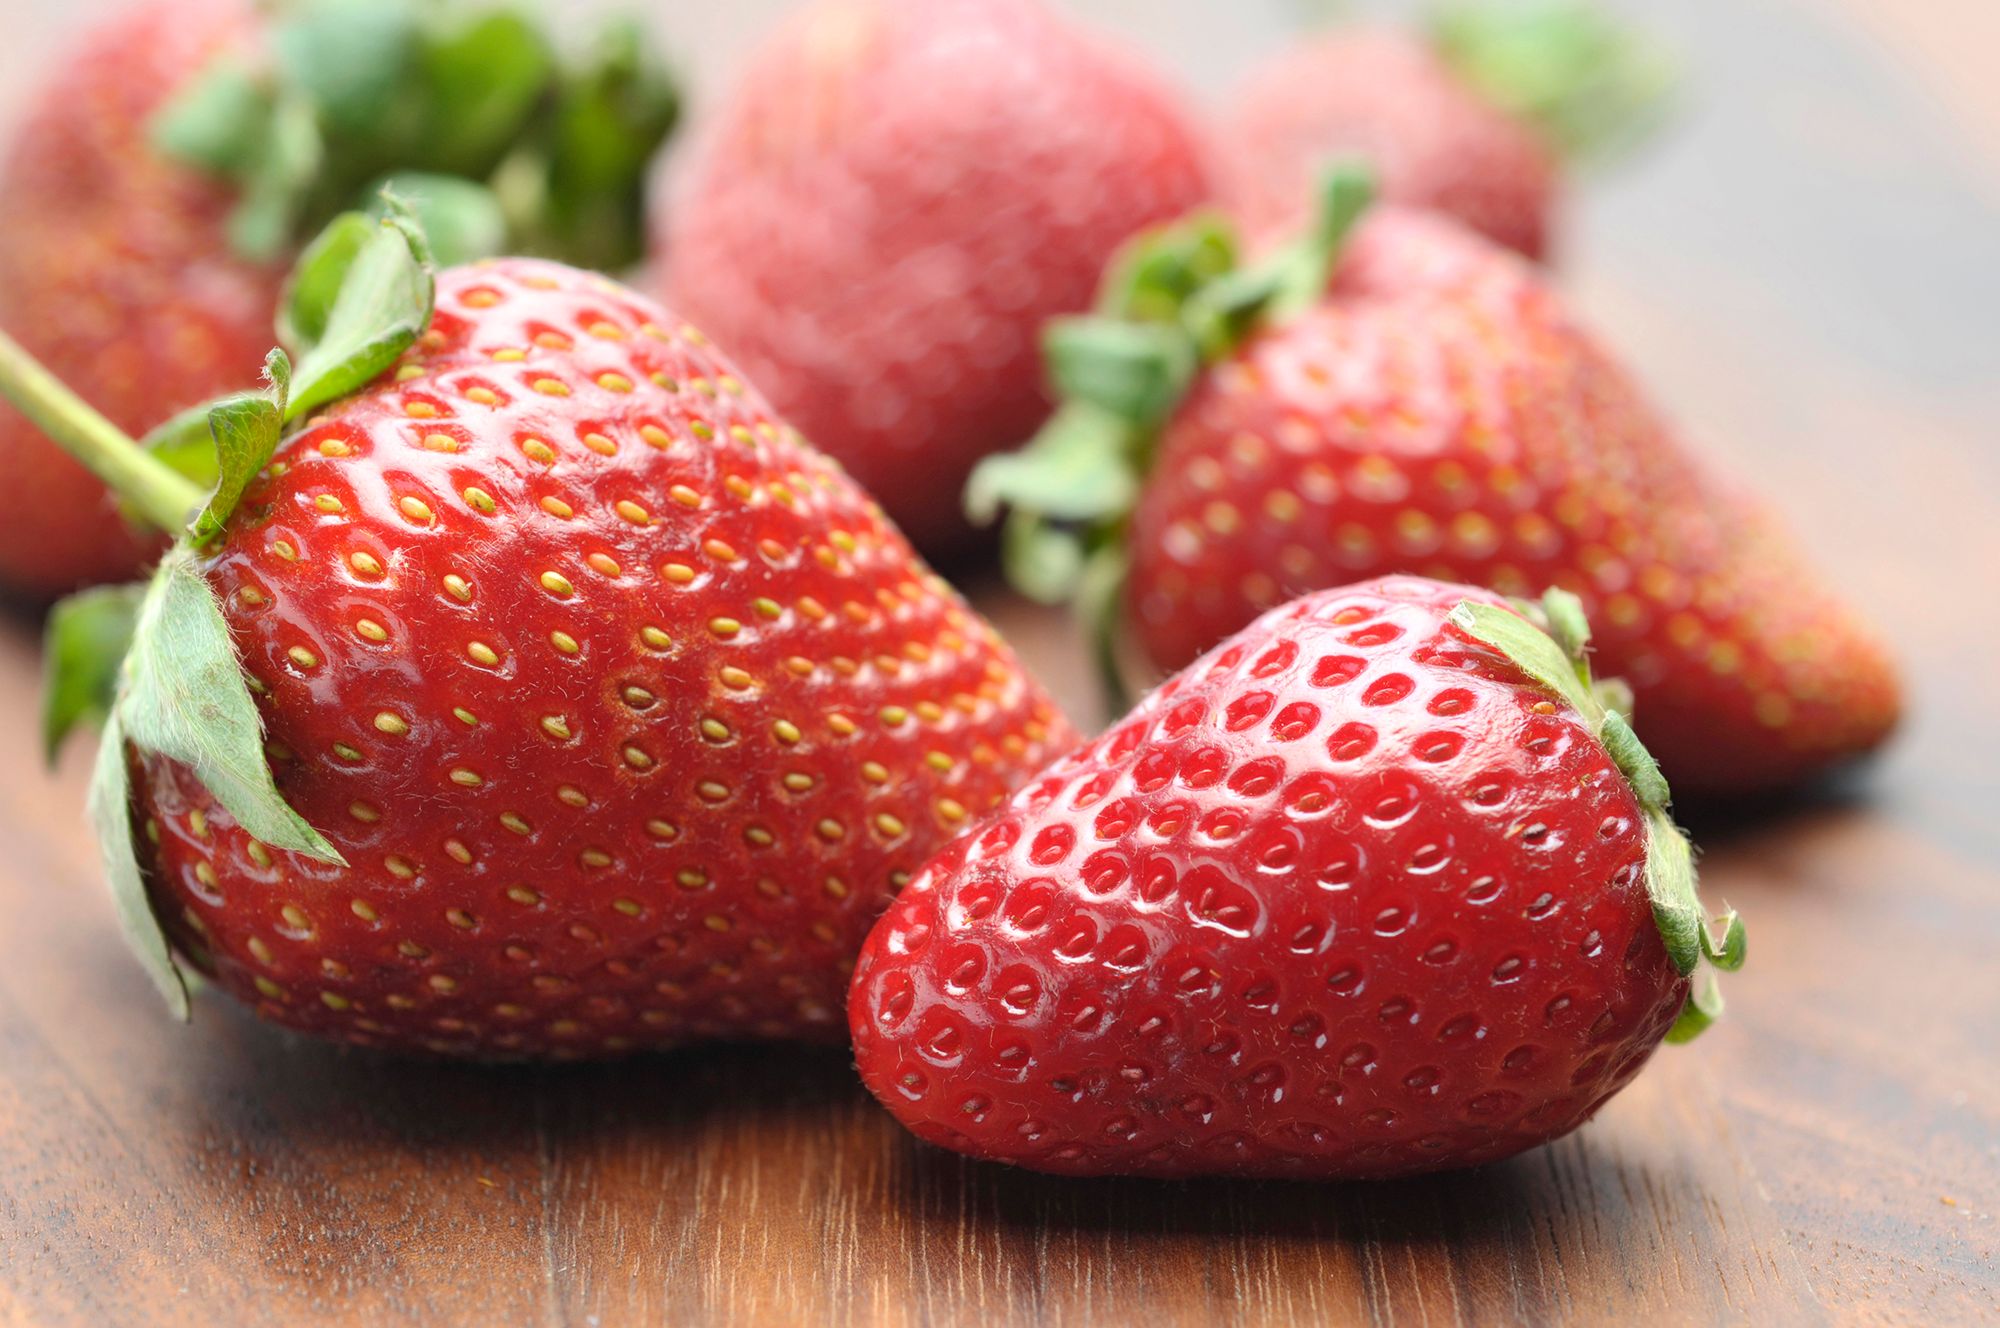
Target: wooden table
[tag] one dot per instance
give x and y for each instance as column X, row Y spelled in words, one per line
column 1809, row 272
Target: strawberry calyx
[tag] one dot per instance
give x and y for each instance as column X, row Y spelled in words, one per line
column 1173, row 301
column 501, row 142
column 1588, row 82
column 1549, row 642
column 154, row 664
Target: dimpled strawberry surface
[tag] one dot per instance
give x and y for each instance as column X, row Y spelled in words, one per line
column 1348, row 897
column 628, row 711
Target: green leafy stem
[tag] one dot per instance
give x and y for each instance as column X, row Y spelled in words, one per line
column 467, row 109
column 154, row 664
column 1549, row 643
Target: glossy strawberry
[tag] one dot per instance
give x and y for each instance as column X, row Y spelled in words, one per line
column 1356, row 895
column 1435, row 407
column 152, row 213
column 626, row 710
column 1475, row 116
column 890, row 203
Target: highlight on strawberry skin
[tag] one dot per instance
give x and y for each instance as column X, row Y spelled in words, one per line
column 1384, row 884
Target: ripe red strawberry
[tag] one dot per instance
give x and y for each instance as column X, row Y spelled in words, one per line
column 166, row 170
column 626, row 710
column 1433, row 408
column 1474, row 118
column 891, row 203
column 1377, row 887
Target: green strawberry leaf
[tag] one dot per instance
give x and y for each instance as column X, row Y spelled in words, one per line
column 290, row 155
column 1529, row 649
column 186, row 697
column 1703, row 1008
column 381, row 293
column 1153, row 276
column 1135, row 372
column 246, row 428
column 483, row 77
column 462, row 220
column 186, row 443
column 348, row 58
column 1670, row 885
column 1076, row 471
column 82, row 647
column 1634, row 760
column 315, row 280
column 1728, row 953
column 111, row 818
column 217, row 120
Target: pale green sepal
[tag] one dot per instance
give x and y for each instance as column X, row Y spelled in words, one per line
column 1704, row 1007
column 82, row 647
column 1670, row 885
column 186, row 697
column 111, row 818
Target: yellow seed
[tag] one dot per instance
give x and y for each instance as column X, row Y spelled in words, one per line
column 326, row 502
column 685, row 496
column 458, row 917
column 333, row 447
column 662, row 829
column 371, row 629
column 302, row 657
column 515, row 823
column 599, row 444
column 392, row 724
column 842, row 725
column 284, row 549
column 458, row 587
column 632, row 512
column 466, row 778
column 831, row 829
column 334, row 1001
column 874, row 772
column 637, row 759
column 799, row 666
column 654, row 435
column 295, row 918
column 552, row 387
column 767, row 608
column 479, row 500
column 740, row 488
column 345, row 752
column 440, row 442
column 604, row 564
column 482, row 653
column 521, row 894
column 691, row 878
column 937, row 761
column 258, row 854
column 251, row 595
column 710, row 791
column 538, row 451
column 268, row 987
column 457, row 851
column 555, row 726
column 364, row 563
column 614, row 382
column 564, row 642
column 654, row 638
column 724, row 627
column 715, row 922
column 607, row 331
column 950, row 809
column 797, row 782
column 638, row 697
column 557, row 584
column 888, row 825
column 510, row 354
column 629, row 907
column 594, row 858
column 786, row 731
column 557, row 508
column 719, row 551
column 464, row 716
column 715, row 730
column 734, row 677
column 258, row 950
column 678, row 573
column 416, row 509
column 399, row 867
column 894, row 716
column 484, row 396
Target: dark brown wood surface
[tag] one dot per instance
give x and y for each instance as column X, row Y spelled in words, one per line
column 1810, row 273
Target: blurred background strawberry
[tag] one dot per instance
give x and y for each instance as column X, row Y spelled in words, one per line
column 166, row 170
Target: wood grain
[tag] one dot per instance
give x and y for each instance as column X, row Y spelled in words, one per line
column 1830, row 1153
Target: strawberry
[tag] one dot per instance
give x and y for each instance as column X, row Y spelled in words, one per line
column 1474, row 118
column 168, row 168
column 893, row 200
column 1243, row 434
column 602, row 712
column 1379, row 886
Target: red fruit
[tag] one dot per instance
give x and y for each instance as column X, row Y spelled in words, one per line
column 115, row 273
column 894, row 199
column 1353, row 896
column 1437, row 409
column 1474, row 118
column 1386, row 96
column 626, row 709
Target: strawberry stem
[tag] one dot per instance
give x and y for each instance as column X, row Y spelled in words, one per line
column 152, row 489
